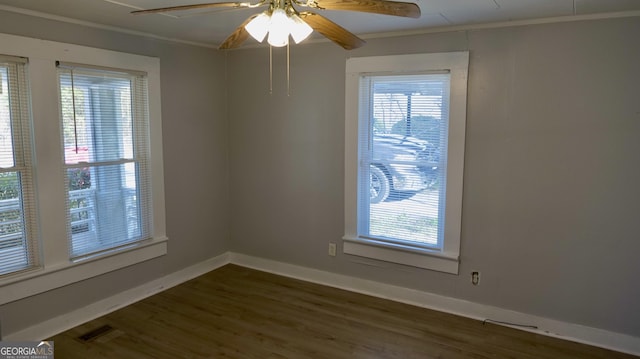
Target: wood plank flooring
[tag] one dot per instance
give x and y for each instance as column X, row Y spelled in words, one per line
column 235, row 312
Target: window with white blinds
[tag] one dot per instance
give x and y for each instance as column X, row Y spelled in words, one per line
column 18, row 245
column 405, row 120
column 403, row 157
column 88, row 122
column 105, row 129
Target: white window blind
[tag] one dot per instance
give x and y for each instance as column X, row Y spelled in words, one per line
column 18, row 245
column 105, row 126
column 402, row 147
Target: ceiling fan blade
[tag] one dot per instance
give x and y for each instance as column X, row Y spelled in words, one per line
column 195, row 6
column 332, row 31
column 396, row 8
column 238, row 36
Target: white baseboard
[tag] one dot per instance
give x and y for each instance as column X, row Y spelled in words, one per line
column 549, row 327
column 67, row 321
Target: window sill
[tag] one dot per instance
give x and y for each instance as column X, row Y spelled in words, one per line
column 407, row 255
column 28, row 283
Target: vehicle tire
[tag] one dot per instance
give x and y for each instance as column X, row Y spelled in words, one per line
column 379, row 185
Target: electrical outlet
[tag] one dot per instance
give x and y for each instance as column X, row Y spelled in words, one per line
column 332, row 249
column 475, row 278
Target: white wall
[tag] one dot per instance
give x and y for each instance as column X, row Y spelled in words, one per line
column 550, row 187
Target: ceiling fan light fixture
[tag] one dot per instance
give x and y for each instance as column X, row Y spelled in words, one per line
column 279, row 28
column 259, row 26
column 283, row 12
column 300, row 30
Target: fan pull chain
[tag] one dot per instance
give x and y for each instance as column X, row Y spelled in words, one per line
column 270, row 70
column 288, row 72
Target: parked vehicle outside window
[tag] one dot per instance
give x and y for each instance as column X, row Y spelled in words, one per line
column 402, row 166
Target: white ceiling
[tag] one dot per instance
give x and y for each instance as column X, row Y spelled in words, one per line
column 210, row 28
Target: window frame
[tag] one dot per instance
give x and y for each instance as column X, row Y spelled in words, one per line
column 139, row 147
column 57, row 269
column 447, row 258
column 20, row 113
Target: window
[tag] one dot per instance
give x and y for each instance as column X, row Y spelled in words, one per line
column 405, row 120
column 18, row 247
column 87, row 121
column 104, row 127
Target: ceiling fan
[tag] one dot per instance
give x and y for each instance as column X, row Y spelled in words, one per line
column 282, row 19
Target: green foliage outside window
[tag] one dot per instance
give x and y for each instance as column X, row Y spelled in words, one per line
column 79, row 178
column 9, row 185
column 10, row 215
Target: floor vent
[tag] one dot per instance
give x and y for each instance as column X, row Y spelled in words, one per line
column 96, row 333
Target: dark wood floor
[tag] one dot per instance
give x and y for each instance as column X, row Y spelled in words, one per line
column 234, row 312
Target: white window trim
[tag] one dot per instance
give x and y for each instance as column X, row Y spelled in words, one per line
column 446, row 260
column 57, row 269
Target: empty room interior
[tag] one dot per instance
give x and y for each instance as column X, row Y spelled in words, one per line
column 459, row 181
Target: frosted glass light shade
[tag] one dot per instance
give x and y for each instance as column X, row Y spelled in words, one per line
column 258, row 27
column 279, row 28
column 300, row 30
